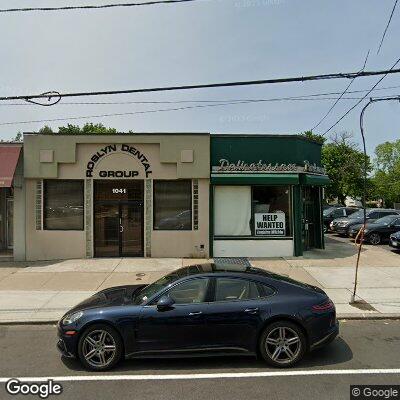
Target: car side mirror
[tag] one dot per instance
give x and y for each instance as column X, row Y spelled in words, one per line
column 165, row 303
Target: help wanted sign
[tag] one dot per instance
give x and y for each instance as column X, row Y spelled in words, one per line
column 270, row 224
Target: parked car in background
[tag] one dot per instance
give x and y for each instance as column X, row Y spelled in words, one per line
column 395, row 240
column 332, row 213
column 342, row 226
column 378, row 231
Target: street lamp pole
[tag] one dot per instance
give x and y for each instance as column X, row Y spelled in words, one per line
column 364, row 197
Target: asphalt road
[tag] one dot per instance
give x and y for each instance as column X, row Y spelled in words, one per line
column 29, row 351
column 384, row 246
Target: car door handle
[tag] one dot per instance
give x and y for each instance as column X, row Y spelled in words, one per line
column 251, row 310
column 195, row 313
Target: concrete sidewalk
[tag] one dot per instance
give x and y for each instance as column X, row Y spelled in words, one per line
column 44, row 291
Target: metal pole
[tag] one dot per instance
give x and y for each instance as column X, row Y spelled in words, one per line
column 353, row 296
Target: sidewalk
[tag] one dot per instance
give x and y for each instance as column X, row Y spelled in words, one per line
column 44, row 291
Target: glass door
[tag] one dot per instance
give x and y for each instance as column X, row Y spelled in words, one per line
column 106, row 230
column 131, row 229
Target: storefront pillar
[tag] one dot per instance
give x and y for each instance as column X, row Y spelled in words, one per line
column 297, row 221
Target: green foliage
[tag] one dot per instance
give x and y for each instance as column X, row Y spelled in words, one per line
column 386, row 179
column 70, row 129
column 314, row 136
column 344, row 164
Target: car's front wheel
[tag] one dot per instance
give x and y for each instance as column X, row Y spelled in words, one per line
column 282, row 344
column 100, row 347
column 374, row 238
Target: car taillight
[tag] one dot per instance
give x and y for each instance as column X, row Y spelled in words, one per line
column 325, row 306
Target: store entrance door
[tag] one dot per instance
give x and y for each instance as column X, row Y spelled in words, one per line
column 310, row 217
column 118, row 221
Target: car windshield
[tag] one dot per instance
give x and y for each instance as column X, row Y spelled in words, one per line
column 357, row 214
column 386, row 220
column 328, row 211
column 144, row 294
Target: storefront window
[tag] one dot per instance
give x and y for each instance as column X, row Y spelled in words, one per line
column 232, row 210
column 252, row 211
column 271, row 211
column 63, row 205
column 173, row 205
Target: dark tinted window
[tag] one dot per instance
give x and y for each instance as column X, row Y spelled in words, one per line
column 235, row 289
column 268, row 291
column 350, row 211
column 63, row 204
column 375, row 214
column 191, row 291
column 384, row 213
column 173, row 205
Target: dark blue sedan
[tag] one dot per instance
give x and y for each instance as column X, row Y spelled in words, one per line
column 200, row 310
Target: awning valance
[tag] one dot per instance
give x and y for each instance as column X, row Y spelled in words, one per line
column 254, row 179
column 315, row 180
column 9, row 155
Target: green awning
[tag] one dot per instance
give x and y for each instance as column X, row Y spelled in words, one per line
column 255, row 179
column 315, row 180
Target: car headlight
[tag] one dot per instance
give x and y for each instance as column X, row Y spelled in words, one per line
column 71, row 318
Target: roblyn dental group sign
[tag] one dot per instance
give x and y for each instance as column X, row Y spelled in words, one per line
column 117, row 173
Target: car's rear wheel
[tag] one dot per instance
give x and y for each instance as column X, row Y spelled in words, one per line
column 374, row 238
column 100, row 347
column 282, row 344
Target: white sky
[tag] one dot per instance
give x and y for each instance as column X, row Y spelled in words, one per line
column 202, row 42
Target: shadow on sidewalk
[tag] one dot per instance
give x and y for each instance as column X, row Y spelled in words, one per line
column 337, row 352
column 333, row 249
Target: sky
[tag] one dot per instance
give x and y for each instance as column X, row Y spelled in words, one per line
column 206, row 41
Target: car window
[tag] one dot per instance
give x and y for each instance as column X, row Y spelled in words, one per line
column 339, row 213
column 236, row 289
column 384, row 213
column 191, row 291
column 374, row 215
column 396, row 222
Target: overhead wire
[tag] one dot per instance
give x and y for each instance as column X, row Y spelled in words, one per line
column 93, row 7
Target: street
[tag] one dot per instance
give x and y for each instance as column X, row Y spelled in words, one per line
column 384, row 246
column 29, row 351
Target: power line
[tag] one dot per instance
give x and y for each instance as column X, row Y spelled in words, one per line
column 387, row 27
column 316, row 97
column 125, row 113
column 146, row 111
column 348, row 75
column 93, row 7
column 360, row 101
column 338, row 99
column 300, row 97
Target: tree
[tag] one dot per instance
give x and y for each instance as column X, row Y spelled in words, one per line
column 387, row 172
column 344, row 164
column 77, row 130
column 314, row 136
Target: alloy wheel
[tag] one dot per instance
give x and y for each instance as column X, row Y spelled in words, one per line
column 374, row 238
column 283, row 345
column 99, row 348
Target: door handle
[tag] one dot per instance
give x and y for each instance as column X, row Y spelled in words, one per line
column 121, row 229
column 251, row 310
column 195, row 313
